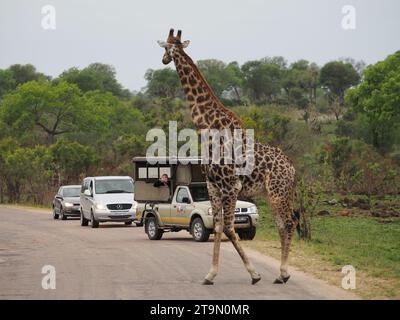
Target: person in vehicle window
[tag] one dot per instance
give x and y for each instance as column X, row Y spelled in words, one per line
column 163, row 181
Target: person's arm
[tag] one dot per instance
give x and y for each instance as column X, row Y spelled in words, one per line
column 157, row 184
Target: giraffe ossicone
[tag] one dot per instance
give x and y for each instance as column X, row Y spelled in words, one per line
column 273, row 173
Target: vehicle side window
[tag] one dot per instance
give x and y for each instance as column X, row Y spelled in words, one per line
column 182, row 193
column 59, row 192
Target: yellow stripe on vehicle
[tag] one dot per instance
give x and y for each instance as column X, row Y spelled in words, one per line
column 175, row 219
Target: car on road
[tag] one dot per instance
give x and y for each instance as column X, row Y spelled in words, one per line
column 183, row 204
column 107, row 199
column 66, row 202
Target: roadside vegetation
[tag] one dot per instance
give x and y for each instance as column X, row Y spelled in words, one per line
column 339, row 123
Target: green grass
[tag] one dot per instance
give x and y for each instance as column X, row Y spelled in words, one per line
column 364, row 242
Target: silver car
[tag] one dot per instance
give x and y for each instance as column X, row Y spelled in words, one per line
column 107, row 199
column 66, row 202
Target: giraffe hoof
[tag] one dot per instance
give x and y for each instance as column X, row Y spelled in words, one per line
column 207, row 282
column 281, row 280
column 255, row 280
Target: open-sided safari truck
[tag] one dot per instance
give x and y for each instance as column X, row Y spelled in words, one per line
column 184, row 204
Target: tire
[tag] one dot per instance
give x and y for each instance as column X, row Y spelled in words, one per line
column 152, row 229
column 128, row 223
column 199, row 232
column 55, row 215
column 62, row 216
column 94, row 223
column 84, row 221
column 247, row 234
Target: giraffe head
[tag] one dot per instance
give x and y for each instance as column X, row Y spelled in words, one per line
column 173, row 43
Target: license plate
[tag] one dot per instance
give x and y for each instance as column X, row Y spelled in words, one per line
column 240, row 219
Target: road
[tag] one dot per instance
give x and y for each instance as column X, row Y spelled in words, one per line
column 119, row 262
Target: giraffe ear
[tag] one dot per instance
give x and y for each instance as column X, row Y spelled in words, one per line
column 162, row 44
column 185, row 43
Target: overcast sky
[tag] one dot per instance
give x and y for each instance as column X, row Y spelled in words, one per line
column 124, row 32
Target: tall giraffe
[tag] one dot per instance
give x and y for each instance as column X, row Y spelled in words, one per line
column 273, row 173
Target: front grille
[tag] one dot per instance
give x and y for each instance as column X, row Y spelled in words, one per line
column 120, row 217
column 76, row 204
column 119, row 206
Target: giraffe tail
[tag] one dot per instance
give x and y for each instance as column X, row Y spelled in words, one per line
column 297, row 212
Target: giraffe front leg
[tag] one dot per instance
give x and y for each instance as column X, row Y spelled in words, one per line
column 229, row 230
column 218, row 228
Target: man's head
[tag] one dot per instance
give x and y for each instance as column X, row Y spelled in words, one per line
column 172, row 43
column 164, row 178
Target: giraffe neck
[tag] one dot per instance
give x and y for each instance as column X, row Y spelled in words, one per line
column 207, row 110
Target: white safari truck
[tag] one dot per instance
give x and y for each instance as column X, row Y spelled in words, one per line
column 183, row 204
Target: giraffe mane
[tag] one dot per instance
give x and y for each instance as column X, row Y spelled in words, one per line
column 205, row 83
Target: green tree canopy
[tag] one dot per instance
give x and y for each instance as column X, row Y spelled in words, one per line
column 96, row 76
column 49, row 109
column 163, row 83
column 377, row 99
column 262, row 78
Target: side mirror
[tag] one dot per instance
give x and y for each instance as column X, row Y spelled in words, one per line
column 87, row 193
column 185, row 200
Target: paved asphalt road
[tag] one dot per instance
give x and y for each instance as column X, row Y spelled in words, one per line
column 120, row 262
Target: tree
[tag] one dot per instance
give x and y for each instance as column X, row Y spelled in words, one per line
column 52, row 109
column 96, row 76
column 214, row 72
column 163, row 83
column 262, row 78
column 71, row 159
column 234, row 79
column 300, row 83
column 377, row 99
column 7, row 82
column 336, row 77
column 24, row 73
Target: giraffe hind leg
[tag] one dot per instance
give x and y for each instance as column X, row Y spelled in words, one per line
column 282, row 210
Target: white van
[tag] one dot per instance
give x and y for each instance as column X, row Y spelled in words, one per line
column 107, row 199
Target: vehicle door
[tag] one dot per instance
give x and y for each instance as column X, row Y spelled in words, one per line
column 85, row 201
column 182, row 206
column 58, row 200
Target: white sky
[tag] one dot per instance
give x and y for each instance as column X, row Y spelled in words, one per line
column 124, row 32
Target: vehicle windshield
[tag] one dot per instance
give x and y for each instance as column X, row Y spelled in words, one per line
column 199, row 193
column 114, row 186
column 71, row 192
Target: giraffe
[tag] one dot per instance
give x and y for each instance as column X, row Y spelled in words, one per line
column 273, row 174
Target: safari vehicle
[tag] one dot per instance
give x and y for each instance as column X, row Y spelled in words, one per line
column 184, row 204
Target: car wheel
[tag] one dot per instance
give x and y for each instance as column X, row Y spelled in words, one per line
column 128, row 223
column 55, row 215
column 84, row 221
column 152, row 229
column 199, row 231
column 94, row 222
column 63, row 216
column 247, row 234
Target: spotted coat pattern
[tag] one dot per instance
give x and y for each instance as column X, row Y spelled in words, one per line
column 273, row 174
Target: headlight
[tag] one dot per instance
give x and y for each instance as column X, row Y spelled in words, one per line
column 209, row 211
column 100, row 206
column 252, row 209
column 68, row 204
